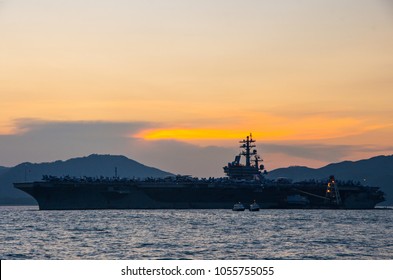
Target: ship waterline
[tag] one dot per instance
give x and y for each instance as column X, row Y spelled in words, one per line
column 182, row 195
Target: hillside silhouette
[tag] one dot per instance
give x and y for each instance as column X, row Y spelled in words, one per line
column 376, row 171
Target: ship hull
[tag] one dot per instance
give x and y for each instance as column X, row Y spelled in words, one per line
column 200, row 195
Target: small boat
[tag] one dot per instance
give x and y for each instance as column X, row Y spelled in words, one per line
column 254, row 206
column 238, row 207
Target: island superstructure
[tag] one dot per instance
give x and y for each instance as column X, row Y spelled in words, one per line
column 235, row 170
column 243, row 182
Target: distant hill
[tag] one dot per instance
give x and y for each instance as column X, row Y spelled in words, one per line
column 3, row 169
column 91, row 166
column 376, row 171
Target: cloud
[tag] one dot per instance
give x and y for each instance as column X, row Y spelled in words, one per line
column 183, row 158
column 72, row 128
column 311, row 151
column 40, row 141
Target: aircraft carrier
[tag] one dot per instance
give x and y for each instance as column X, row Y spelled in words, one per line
column 244, row 182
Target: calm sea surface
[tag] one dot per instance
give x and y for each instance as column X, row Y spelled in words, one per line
column 26, row 233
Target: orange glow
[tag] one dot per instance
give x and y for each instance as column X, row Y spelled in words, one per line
column 203, row 134
column 277, row 128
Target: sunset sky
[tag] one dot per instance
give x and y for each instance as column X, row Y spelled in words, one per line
column 177, row 83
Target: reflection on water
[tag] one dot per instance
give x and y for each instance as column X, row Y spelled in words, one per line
column 27, row 233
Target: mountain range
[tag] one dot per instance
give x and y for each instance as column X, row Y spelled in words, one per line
column 376, row 171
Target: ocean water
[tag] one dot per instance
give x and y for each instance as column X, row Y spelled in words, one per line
column 26, row 233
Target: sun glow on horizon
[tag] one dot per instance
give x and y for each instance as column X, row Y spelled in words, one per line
column 279, row 129
column 203, row 134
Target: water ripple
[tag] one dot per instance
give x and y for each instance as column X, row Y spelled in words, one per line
column 195, row 234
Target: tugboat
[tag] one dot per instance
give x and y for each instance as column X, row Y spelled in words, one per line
column 238, row 207
column 254, row 206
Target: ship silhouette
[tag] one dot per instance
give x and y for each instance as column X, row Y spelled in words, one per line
column 243, row 182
